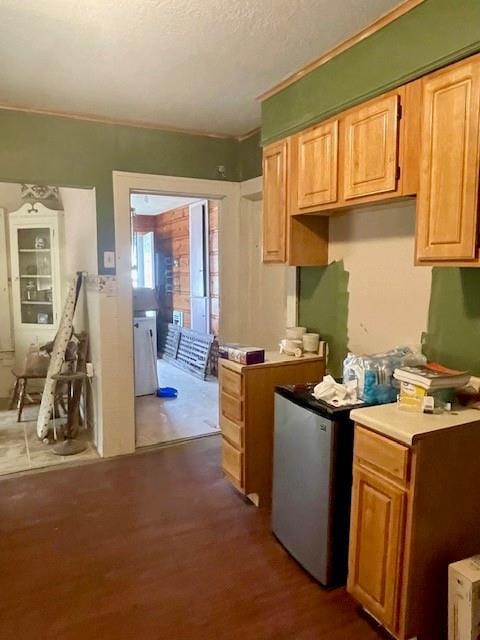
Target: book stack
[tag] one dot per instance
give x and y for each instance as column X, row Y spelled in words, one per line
column 432, row 376
column 420, row 382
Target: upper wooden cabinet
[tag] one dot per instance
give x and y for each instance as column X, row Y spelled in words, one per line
column 367, row 154
column 275, row 202
column 317, row 165
column 447, row 207
column 285, row 238
column 422, row 139
column 370, row 138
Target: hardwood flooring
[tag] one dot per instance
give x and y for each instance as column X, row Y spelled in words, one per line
column 155, row 546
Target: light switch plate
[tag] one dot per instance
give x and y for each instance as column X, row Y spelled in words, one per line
column 109, row 259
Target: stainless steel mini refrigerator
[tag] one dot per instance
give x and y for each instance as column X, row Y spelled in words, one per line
column 312, row 479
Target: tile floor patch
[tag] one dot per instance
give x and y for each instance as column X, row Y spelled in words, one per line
column 21, row 450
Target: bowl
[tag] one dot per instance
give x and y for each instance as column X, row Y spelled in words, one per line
column 295, row 333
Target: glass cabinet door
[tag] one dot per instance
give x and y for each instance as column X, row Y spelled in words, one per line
column 35, row 262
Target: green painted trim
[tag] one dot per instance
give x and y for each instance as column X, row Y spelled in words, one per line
column 430, row 36
column 77, row 153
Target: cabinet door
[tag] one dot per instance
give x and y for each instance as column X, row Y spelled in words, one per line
column 448, row 194
column 371, row 148
column 275, row 202
column 376, row 538
column 318, row 165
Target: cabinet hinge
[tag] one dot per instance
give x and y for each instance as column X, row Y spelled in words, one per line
column 397, row 176
column 399, row 112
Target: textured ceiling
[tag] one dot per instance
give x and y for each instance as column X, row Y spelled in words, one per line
column 193, row 64
column 146, row 204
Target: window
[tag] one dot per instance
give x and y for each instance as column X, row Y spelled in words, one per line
column 143, row 260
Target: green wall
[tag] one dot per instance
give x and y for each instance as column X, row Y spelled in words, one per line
column 429, row 36
column 76, row 153
column 323, row 307
column 453, row 334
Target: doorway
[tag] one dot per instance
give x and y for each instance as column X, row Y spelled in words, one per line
column 175, row 282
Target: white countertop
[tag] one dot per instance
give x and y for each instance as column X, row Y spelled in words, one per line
column 406, row 426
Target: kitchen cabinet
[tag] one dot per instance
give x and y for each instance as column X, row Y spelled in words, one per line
column 371, row 136
column 299, row 242
column 414, row 511
column 377, row 531
column 275, row 202
column 317, row 165
column 246, row 417
column 447, row 204
column 421, row 139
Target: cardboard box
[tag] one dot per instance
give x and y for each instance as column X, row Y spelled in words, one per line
column 464, row 599
column 242, row 355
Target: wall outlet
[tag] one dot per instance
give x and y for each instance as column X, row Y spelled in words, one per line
column 90, row 369
column 109, row 259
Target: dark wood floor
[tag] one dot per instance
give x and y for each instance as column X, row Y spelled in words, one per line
column 153, row 546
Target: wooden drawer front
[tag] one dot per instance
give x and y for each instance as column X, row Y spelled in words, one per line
column 380, row 452
column 232, row 463
column 232, row 432
column 231, row 407
column 231, row 382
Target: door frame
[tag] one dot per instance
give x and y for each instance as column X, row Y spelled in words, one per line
column 123, row 184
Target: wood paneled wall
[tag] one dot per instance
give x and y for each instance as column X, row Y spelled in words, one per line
column 173, row 250
column 144, row 224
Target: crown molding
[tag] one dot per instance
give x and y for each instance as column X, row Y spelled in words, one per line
column 125, row 123
column 404, row 7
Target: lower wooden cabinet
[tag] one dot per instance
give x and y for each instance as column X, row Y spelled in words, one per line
column 414, row 511
column 247, row 417
column 378, row 508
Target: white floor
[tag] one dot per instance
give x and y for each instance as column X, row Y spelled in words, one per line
column 192, row 414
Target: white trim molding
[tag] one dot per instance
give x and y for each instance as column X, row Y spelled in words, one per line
column 6, row 338
column 119, row 430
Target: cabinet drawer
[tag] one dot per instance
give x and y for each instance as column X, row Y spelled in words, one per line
column 384, row 454
column 231, row 382
column 232, row 432
column 232, row 463
column 231, row 407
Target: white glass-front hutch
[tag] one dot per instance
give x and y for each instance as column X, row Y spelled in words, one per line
column 36, row 241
